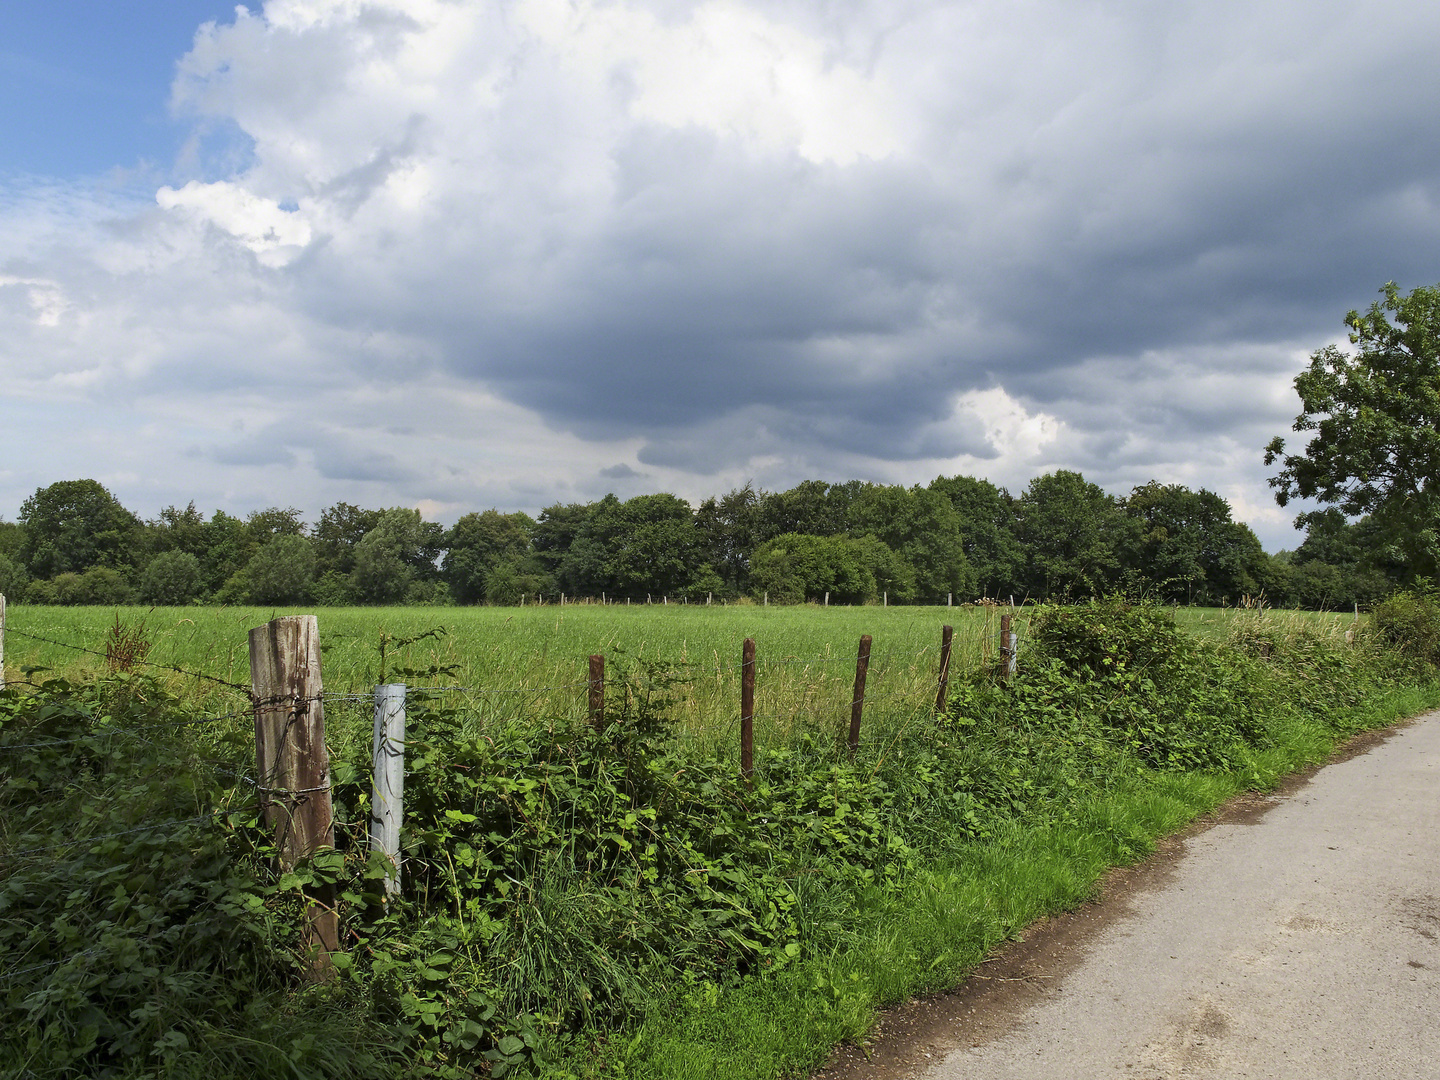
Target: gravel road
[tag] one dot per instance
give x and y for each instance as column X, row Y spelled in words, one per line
column 1297, row 937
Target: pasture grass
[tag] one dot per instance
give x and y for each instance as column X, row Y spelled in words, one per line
column 532, row 661
column 935, row 930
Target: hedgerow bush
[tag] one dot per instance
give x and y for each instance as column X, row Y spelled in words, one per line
column 561, row 879
column 1410, row 622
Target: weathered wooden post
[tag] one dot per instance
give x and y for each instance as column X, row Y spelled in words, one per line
column 292, row 766
column 1007, row 648
column 947, row 634
column 857, row 703
column 387, row 755
column 747, row 710
column 597, row 690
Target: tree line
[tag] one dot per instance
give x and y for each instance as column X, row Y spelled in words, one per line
column 1061, row 538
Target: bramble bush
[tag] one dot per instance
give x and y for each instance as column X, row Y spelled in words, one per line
column 561, row 879
column 1410, row 622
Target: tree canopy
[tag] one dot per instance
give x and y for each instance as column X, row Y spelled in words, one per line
column 1062, row 538
column 1374, row 419
column 73, row 525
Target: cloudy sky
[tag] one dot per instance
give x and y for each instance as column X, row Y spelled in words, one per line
column 457, row 254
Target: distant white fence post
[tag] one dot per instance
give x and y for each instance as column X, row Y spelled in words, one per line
column 2, row 641
column 388, row 756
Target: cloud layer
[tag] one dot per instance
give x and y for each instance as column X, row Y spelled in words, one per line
column 461, row 253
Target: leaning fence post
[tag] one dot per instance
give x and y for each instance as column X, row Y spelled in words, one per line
column 597, row 690
column 747, row 710
column 857, row 703
column 947, row 634
column 387, row 754
column 292, row 766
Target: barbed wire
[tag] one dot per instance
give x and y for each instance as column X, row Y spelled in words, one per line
column 62, row 845
column 13, row 974
column 122, row 732
column 137, row 661
column 507, row 690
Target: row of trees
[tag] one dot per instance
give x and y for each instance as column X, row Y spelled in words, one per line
column 1062, row 537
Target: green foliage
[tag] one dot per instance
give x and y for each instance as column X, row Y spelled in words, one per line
column 480, row 543
column 395, row 556
column 1174, row 701
column 796, row 567
column 922, row 528
column 74, row 525
column 564, row 880
column 98, row 585
column 172, row 578
column 987, row 532
column 281, row 572
column 140, row 935
column 1410, row 621
column 1191, row 550
column 13, row 577
column 1375, row 418
column 1078, row 541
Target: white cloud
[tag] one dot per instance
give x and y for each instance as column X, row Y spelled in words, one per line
column 45, row 298
column 276, row 236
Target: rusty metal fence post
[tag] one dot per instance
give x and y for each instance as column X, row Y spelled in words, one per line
column 857, row 702
column 747, row 711
column 947, row 634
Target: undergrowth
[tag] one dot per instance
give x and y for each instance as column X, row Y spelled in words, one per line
column 598, row 899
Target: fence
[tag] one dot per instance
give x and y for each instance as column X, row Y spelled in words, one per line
column 292, row 782
column 663, row 599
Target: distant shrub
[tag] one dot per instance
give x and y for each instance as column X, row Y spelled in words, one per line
column 1410, row 621
column 173, row 578
column 98, row 585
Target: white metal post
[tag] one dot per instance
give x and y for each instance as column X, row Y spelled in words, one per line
column 387, row 804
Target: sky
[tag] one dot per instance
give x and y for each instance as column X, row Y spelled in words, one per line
column 461, row 254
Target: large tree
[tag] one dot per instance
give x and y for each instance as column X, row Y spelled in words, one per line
column 398, row 555
column 1190, row 549
column 987, row 532
column 73, row 525
column 923, row 528
column 477, row 545
column 1374, row 416
column 1077, row 539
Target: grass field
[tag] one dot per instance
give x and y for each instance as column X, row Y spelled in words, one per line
column 532, row 661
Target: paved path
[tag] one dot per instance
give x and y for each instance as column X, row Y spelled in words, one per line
column 1304, row 945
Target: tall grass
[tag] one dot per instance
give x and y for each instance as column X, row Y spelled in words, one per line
column 509, row 663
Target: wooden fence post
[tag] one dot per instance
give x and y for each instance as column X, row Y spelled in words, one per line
column 1007, row 648
column 747, row 710
column 597, row 690
column 387, row 754
column 2, row 641
column 857, row 703
column 292, row 766
column 947, row 634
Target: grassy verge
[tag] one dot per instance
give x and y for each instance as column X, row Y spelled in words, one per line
column 930, row 931
column 614, row 900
